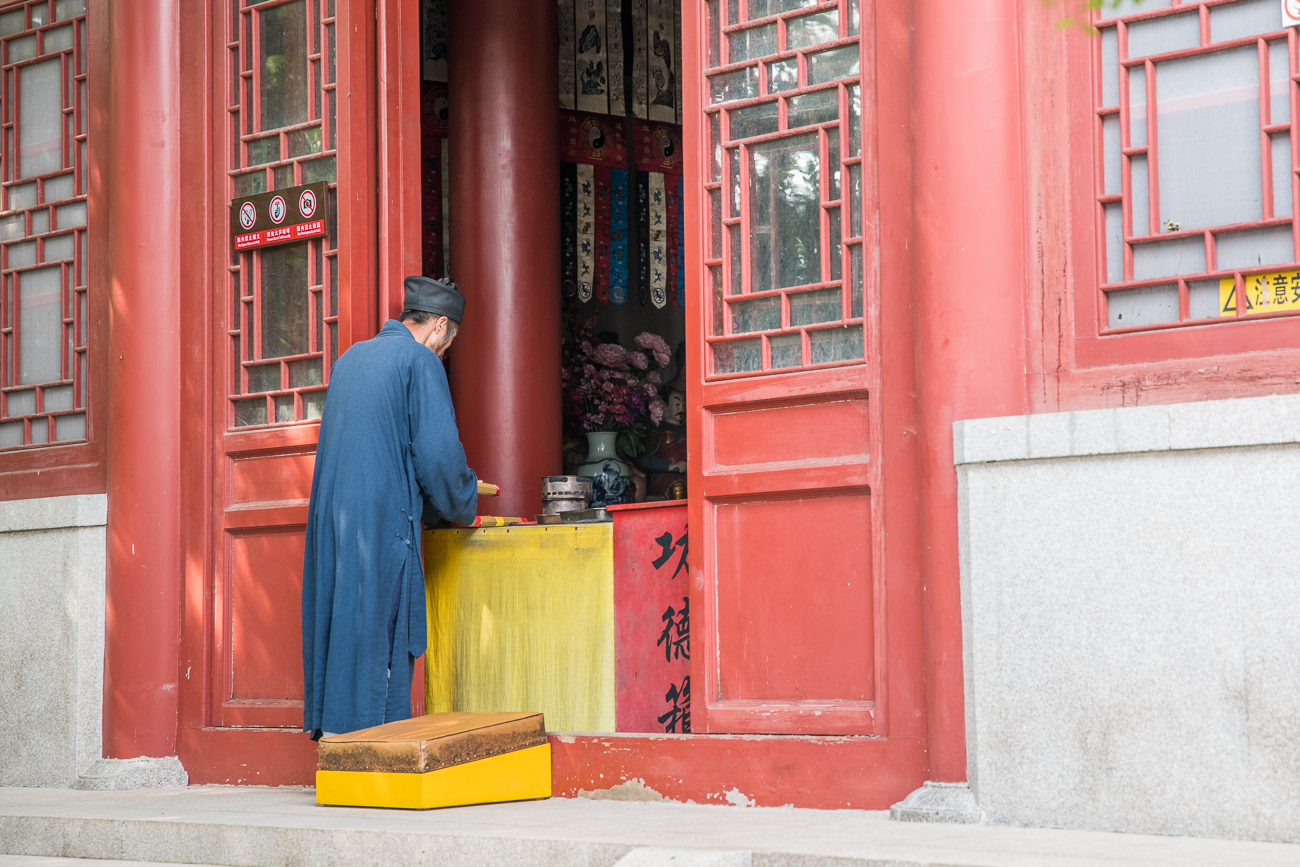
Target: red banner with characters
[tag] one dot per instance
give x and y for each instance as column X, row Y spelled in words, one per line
column 652, row 618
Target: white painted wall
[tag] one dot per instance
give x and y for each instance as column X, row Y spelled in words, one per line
column 1131, row 605
column 52, row 553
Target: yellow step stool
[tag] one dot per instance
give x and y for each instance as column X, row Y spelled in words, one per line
column 438, row 760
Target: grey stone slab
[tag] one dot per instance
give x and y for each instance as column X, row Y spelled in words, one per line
column 992, row 439
column 937, row 802
column 1251, row 421
column 1049, row 435
column 281, row 827
column 1131, row 641
column 1142, row 429
column 53, row 513
column 142, row 773
column 42, row 861
column 1272, row 420
column 652, row 857
column 1093, row 432
column 52, row 556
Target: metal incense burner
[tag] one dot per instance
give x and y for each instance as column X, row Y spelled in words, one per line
column 565, row 494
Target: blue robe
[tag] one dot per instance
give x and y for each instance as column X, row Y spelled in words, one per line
column 388, row 455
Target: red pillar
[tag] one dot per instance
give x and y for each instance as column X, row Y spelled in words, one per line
column 142, row 619
column 970, row 278
column 505, row 239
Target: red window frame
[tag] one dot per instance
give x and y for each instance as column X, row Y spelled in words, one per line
column 77, row 467
column 728, row 192
column 297, row 395
column 1095, row 344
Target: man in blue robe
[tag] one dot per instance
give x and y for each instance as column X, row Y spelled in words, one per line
column 388, row 455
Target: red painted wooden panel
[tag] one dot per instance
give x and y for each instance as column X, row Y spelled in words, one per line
column 775, row 435
column 794, row 599
column 247, row 756
column 651, row 618
column 271, row 478
column 265, row 650
column 862, row 773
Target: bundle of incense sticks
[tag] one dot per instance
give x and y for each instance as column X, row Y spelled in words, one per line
column 495, row 521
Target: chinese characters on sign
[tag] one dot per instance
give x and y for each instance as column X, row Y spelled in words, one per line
column 1264, row 293
column 679, row 715
column 675, row 646
column 652, row 608
column 279, row 217
column 668, row 545
column 679, row 620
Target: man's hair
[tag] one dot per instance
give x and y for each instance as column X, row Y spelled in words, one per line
column 420, row 317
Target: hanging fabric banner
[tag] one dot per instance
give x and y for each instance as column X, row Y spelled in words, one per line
column 643, row 238
column 672, row 221
column 592, row 65
column 680, row 243
column 569, row 229
column 662, row 61
column 658, row 241
column 618, row 236
column 586, row 230
column 614, row 22
column 434, row 179
column 658, row 147
column 640, row 49
column 433, row 15
column 677, row 55
column 446, row 207
column 602, row 233
column 592, row 138
column 568, row 45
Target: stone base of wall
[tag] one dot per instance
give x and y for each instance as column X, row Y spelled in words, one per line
column 52, row 553
column 110, row 775
column 1131, row 603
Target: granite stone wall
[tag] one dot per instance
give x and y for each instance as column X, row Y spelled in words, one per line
column 51, row 638
column 1131, row 617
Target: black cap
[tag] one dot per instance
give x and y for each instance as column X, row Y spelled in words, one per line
column 434, row 296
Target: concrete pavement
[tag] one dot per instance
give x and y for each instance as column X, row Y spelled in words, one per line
column 261, row 827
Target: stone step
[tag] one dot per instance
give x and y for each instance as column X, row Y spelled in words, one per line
column 263, row 827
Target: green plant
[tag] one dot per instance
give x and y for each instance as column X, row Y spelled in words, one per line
column 1078, row 13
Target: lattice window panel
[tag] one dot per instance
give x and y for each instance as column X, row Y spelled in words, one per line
column 43, row 307
column 1195, row 199
column 282, row 301
column 784, row 191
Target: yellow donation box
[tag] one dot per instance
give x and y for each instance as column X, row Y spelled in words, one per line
column 439, row 760
column 522, row 617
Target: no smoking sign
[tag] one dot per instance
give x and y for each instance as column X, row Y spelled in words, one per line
column 278, row 217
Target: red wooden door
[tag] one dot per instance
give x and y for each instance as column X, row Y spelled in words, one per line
column 297, row 90
column 278, row 331
column 786, row 442
column 278, row 78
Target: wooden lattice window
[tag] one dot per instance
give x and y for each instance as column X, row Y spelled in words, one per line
column 43, row 310
column 283, row 301
column 1195, row 177
column 783, row 259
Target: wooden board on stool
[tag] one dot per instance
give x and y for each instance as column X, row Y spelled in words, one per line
column 438, row 760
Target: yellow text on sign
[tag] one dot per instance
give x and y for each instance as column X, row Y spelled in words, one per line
column 1264, row 293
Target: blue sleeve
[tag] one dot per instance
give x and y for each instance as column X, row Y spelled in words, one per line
column 447, row 484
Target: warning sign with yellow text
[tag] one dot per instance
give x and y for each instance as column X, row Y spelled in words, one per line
column 1264, row 293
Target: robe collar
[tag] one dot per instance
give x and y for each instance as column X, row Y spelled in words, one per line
column 395, row 327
